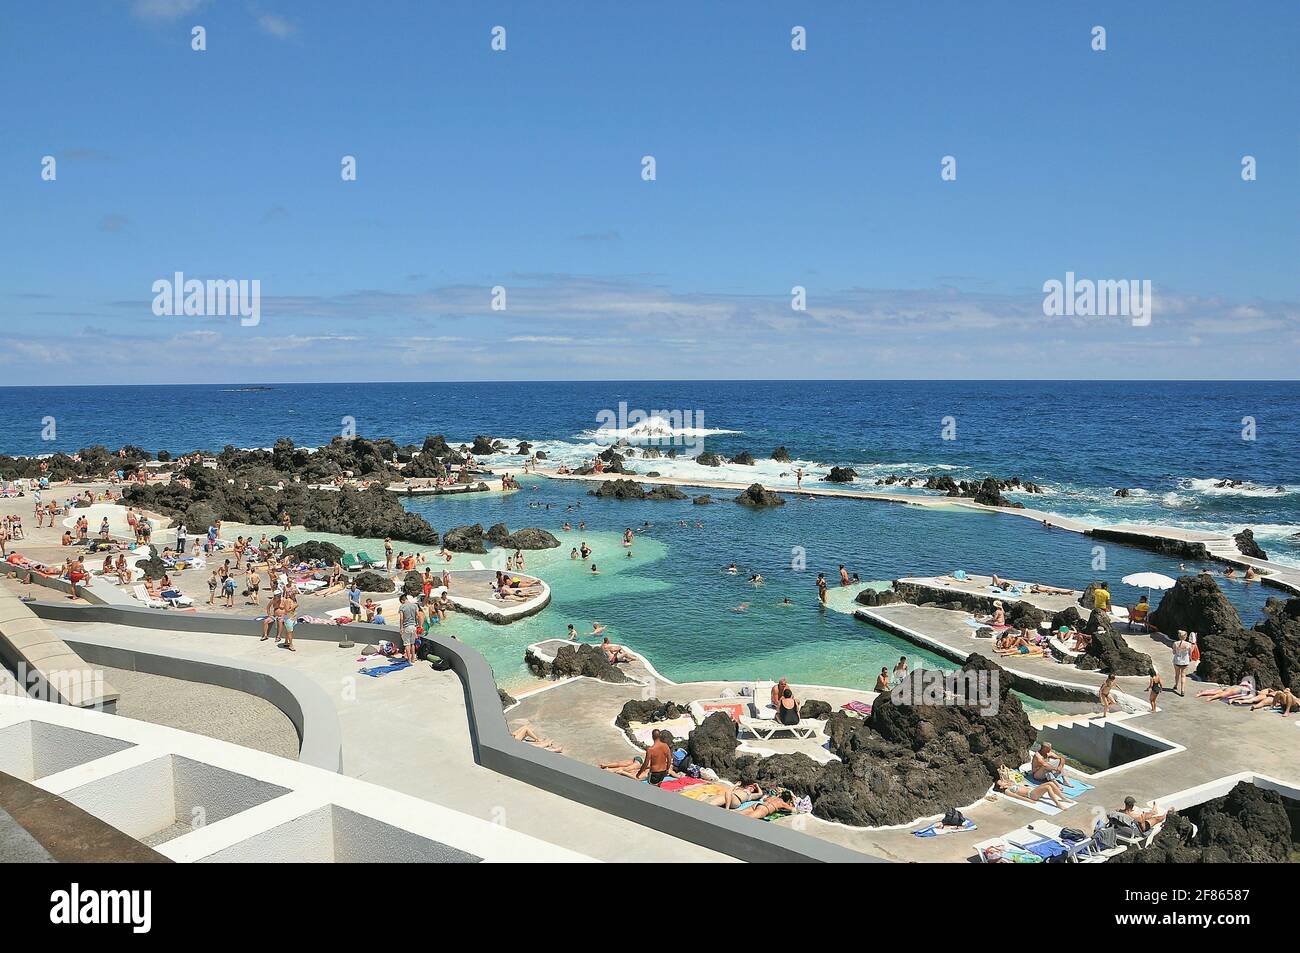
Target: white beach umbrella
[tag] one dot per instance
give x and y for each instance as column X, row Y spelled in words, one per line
column 1148, row 580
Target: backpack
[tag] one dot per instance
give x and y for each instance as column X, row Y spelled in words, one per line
column 953, row 818
column 1105, row 839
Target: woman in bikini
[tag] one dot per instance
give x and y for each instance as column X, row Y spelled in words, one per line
column 772, row 803
column 1031, row 792
column 732, row 798
column 1245, row 687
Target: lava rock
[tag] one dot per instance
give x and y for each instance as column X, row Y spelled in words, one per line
column 709, row 460
column 314, row 550
column 756, row 495
column 1247, row 546
column 713, row 744
column 619, row 490
column 1249, row 825
column 464, row 539
column 702, row 500
column 665, row 492
column 781, row 455
column 373, row 582
column 744, row 458
column 841, row 475
column 815, row 709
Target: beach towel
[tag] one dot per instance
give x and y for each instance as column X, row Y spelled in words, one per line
column 1072, row 788
column 1004, row 853
column 677, row 784
column 734, row 709
column 1045, row 848
column 857, row 707
column 977, row 624
column 702, row 792
column 379, row 670
column 680, row 727
column 937, row 829
column 1043, row 805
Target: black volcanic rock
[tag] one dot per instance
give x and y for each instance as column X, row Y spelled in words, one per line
column 465, row 539
column 756, row 495
column 619, row 490
column 574, row 660
column 708, row 459
column 815, row 709
column 870, row 597
column 904, row 762
column 199, row 492
column 841, row 475
column 1247, row 546
column 482, row 446
column 497, row 534
column 664, row 492
column 713, row 744
column 1108, row 652
column 1229, row 652
column 373, row 582
column 744, row 457
column 314, row 550
column 531, row 537
column 781, row 455
column 703, row 500
column 1249, row 825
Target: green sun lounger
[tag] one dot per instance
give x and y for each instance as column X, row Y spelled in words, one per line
column 351, row 562
column 367, row 560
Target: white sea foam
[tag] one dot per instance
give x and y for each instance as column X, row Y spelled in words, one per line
column 1208, row 487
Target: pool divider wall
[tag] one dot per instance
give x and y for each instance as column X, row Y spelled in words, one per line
column 494, row 747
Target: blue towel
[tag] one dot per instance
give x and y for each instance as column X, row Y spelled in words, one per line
column 1044, row 848
column 378, row 670
column 933, row 829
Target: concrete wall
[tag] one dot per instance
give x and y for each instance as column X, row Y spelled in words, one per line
column 494, row 748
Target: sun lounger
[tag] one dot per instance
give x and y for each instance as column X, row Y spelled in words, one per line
column 367, row 560
column 1001, row 850
column 351, row 563
column 476, row 564
column 143, row 595
column 1081, row 852
column 765, row 728
column 1062, row 651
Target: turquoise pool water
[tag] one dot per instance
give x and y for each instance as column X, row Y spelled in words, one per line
column 675, row 602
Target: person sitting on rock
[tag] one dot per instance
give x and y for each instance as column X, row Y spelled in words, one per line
column 615, row 653
column 997, row 617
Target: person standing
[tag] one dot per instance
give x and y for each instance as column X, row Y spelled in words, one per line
column 1182, row 650
column 354, row 600
column 182, row 537
column 388, row 554
column 1104, row 694
column 821, row 588
column 408, row 625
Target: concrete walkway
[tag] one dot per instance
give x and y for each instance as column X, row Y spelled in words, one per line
column 407, row 731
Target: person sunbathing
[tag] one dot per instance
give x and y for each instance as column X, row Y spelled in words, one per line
column 733, row 797
column 997, row 617
column 628, row 769
column 525, row 733
column 615, row 653
column 1245, row 687
column 771, row 804
column 1032, row 793
column 1016, row 644
column 1144, row 820
column 1046, row 765
column 1050, row 590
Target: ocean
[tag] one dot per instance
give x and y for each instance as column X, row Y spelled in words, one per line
column 1168, row 443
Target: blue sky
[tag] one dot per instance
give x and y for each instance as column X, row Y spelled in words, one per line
column 522, row 168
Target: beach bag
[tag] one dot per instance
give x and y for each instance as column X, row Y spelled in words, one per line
column 1072, row 835
column 953, row 818
column 1196, row 652
column 437, row 663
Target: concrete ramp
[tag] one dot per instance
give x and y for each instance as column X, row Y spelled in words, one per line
column 44, row 661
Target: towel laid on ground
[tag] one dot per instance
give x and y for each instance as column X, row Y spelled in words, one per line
column 379, row 670
column 858, row 708
column 1043, row 805
column 677, row 784
column 680, row 727
column 937, row 829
